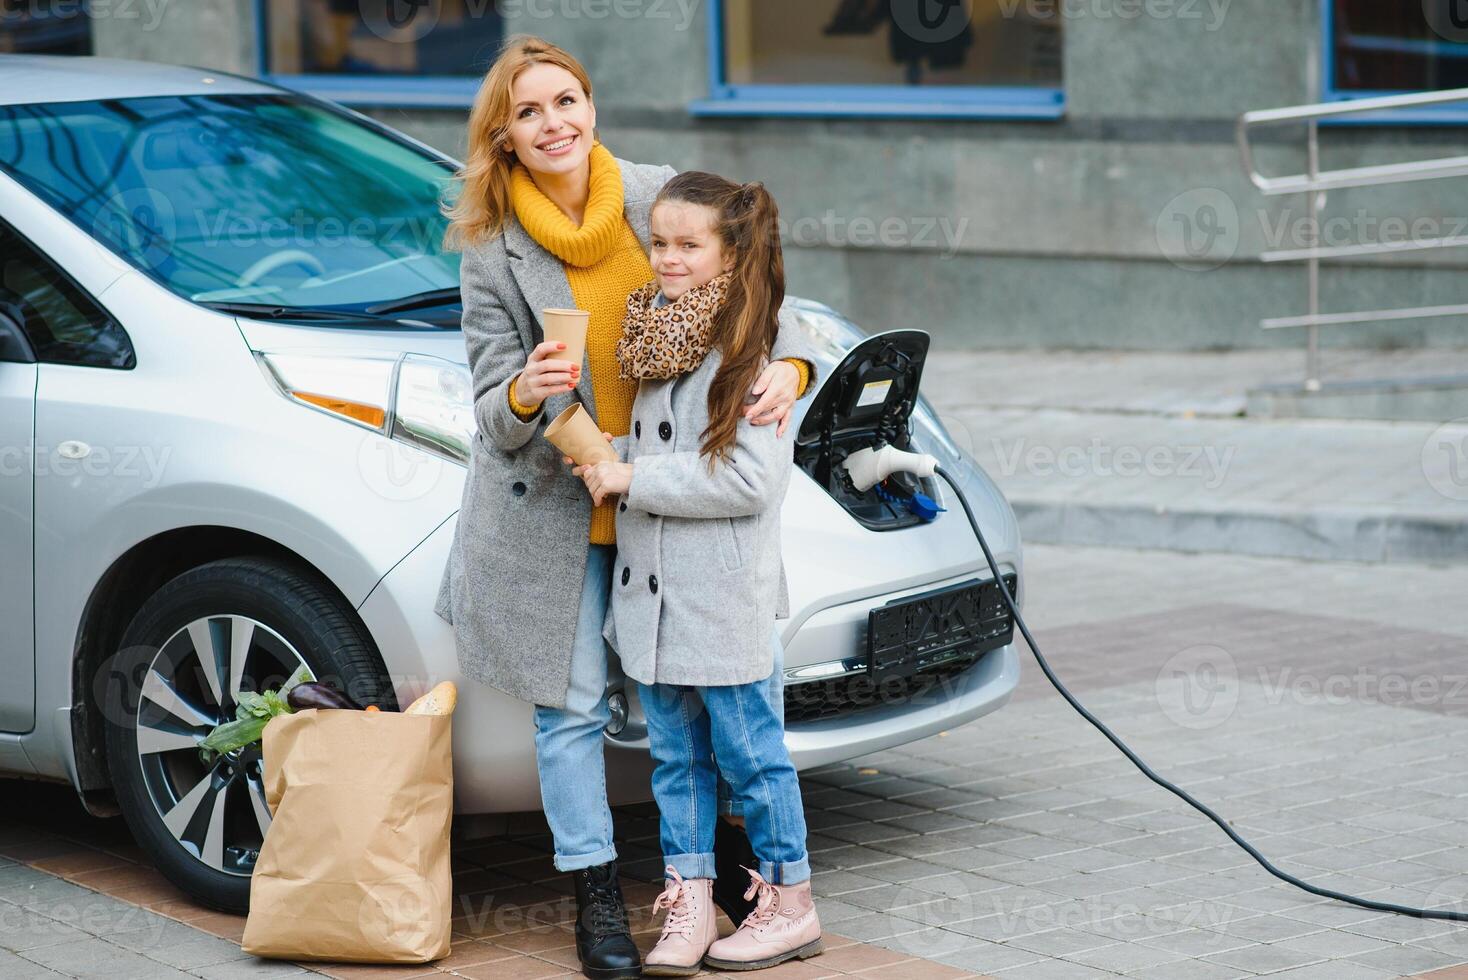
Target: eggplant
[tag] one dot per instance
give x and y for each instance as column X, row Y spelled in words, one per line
column 314, row 695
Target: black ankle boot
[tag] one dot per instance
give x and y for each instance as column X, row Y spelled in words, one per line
column 732, row 854
column 603, row 940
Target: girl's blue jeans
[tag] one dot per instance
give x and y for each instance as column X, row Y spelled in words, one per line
column 569, row 745
column 699, row 733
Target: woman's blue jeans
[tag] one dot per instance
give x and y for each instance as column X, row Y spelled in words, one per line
column 700, row 733
column 569, row 745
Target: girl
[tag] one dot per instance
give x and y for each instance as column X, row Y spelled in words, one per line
column 699, row 578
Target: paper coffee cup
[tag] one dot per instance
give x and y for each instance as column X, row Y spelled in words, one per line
column 568, row 327
column 577, row 435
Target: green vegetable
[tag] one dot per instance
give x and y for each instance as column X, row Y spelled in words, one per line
column 253, row 711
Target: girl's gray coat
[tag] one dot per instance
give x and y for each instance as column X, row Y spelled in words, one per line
column 512, row 584
column 699, row 579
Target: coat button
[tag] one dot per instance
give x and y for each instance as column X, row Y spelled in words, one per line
column 622, row 506
column 626, row 574
column 652, row 583
column 637, row 429
column 666, row 431
column 518, row 489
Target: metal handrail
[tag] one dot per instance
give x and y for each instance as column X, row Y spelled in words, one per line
column 1315, row 183
column 1329, row 180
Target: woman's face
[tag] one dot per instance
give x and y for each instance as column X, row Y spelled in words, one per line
column 686, row 248
column 552, row 122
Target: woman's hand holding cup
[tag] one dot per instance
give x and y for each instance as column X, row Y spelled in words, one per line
column 545, row 375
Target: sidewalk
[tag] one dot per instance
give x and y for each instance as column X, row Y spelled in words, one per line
column 1149, row 450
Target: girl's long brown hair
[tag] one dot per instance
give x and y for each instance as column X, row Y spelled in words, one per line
column 482, row 202
column 745, row 328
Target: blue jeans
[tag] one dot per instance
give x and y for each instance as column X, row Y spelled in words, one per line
column 569, row 750
column 773, row 690
column 737, row 731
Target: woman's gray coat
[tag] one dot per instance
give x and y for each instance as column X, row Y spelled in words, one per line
column 512, row 585
column 699, row 579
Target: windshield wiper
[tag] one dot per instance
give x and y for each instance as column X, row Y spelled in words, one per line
column 274, row 311
column 418, row 301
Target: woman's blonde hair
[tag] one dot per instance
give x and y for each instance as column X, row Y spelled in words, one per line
column 482, row 203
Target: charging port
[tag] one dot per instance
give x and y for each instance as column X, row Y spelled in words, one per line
column 867, row 402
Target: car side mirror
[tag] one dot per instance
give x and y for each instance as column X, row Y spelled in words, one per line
column 15, row 346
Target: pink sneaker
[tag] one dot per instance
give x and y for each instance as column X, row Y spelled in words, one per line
column 782, row 926
column 690, row 928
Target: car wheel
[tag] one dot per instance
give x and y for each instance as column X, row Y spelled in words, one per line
column 238, row 624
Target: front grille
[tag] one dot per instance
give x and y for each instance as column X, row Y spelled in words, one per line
column 819, row 700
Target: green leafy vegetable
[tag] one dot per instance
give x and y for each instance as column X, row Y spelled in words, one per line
column 253, row 711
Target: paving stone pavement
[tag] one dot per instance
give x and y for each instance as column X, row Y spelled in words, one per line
column 1317, row 706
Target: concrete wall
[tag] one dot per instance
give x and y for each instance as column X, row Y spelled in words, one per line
column 1073, row 232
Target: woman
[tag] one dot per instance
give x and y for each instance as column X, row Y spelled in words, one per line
column 548, row 218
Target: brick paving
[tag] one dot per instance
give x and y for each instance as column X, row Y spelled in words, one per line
column 1317, row 706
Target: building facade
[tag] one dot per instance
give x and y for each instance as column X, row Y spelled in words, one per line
column 1002, row 173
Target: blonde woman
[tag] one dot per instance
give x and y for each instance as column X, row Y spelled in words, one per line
column 548, row 218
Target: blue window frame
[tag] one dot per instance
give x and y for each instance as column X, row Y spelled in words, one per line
column 387, row 64
column 45, row 27
column 928, row 70
column 1372, row 49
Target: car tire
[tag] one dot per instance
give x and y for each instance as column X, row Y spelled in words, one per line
column 160, row 700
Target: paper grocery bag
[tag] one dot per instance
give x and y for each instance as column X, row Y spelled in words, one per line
column 355, row 865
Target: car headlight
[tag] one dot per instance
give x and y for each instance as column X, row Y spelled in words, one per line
column 421, row 400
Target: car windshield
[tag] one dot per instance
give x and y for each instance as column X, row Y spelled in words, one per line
column 242, row 199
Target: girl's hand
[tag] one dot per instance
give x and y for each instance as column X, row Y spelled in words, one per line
column 545, row 375
column 775, row 391
column 606, row 479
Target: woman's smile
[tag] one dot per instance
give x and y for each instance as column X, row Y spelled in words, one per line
column 560, row 146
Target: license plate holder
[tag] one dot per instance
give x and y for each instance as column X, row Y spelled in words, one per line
column 921, row 632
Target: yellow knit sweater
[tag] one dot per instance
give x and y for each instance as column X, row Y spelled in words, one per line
column 604, row 263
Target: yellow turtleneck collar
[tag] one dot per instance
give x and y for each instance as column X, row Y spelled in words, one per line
column 548, row 224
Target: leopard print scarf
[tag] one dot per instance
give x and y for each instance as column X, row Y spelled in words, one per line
column 673, row 339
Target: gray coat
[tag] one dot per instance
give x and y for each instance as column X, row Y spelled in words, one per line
column 699, row 579
column 512, row 584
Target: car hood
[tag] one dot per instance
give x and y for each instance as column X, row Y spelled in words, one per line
column 827, row 350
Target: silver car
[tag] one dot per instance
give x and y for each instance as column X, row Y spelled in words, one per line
column 234, row 419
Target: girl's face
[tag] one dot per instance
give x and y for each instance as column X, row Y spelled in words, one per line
column 552, row 122
column 686, row 248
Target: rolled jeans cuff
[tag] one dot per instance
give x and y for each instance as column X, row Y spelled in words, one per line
column 575, row 862
column 784, row 873
column 692, row 865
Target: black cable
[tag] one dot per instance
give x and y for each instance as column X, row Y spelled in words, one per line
column 1177, row 791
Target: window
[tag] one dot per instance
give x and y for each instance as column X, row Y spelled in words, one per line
column 45, row 27
column 1374, row 48
column 259, row 199
column 380, row 52
column 893, row 58
column 63, row 324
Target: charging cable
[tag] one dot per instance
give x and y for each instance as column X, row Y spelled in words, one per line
column 871, row 466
